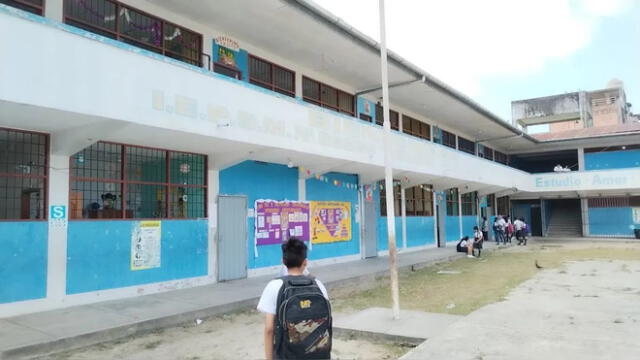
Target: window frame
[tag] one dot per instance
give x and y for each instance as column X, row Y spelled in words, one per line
column 394, row 117
column 123, row 181
column 117, row 35
column 44, row 178
column 502, row 159
column 272, row 86
column 426, row 200
column 412, row 122
column 469, row 142
column 451, row 196
column 321, row 103
column 30, row 7
column 469, row 204
column 486, row 153
column 396, row 197
column 447, row 135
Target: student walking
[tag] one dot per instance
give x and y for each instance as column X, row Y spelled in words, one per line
column 518, row 225
column 298, row 322
column 499, row 227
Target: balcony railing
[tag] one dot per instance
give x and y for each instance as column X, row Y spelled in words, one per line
column 32, row 6
column 122, row 22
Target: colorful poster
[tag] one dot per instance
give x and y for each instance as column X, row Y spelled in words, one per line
column 145, row 245
column 330, row 221
column 277, row 221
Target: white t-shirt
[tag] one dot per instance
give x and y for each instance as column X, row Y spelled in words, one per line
column 269, row 299
column 518, row 225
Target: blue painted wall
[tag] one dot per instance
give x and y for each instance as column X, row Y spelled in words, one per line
column 612, row 160
column 468, row 222
column 452, row 227
column 321, row 191
column 23, row 260
column 259, row 180
column 611, row 221
column 278, row 182
column 99, row 254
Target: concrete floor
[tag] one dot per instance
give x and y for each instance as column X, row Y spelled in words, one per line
column 589, row 310
column 79, row 326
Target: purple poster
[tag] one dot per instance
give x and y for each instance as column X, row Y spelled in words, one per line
column 277, row 221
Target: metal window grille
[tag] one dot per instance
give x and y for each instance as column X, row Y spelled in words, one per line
column 468, row 202
column 419, row 201
column 448, row 139
column 327, row 96
column 452, row 202
column 415, row 127
column 394, row 117
column 501, row 157
column 122, row 22
column 32, row 6
column 383, row 199
column 23, row 175
column 467, row 146
column 271, row 76
column 612, row 202
column 114, row 181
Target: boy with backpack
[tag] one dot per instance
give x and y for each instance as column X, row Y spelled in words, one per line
column 298, row 323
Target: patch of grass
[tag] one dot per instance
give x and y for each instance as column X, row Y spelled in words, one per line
column 479, row 284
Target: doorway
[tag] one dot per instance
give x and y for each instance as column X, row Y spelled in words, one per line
column 232, row 237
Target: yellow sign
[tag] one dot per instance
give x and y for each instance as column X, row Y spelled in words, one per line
column 330, row 221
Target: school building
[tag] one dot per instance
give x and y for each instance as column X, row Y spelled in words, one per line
column 147, row 146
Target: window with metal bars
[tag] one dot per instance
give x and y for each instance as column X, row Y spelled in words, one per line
column 486, row 153
column 415, row 127
column 614, row 202
column 503, row 205
column 501, row 157
column 394, row 117
column 468, row 204
column 466, row 145
column 327, row 96
column 122, row 22
column 32, row 6
column 452, row 202
column 383, row 199
column 23, row 175
column 419, row 200
column 271, row 76
column 115, row 181
column 448, row 139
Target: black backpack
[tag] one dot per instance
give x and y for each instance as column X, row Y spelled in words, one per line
column 303, row 328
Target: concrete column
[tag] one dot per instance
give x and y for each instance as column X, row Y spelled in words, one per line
column 53, row 9
column 298, row 79
column 584, row 207
column 213, row 189
column 58, row 199
column 543, row 216
column 581, row 159
column 434, row 199
column 460, row 213
column 403, row 205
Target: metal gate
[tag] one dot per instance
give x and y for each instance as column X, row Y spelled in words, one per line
column 370, row 230
column 232, row 237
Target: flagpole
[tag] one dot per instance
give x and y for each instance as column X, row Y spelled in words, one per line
column 388, row 172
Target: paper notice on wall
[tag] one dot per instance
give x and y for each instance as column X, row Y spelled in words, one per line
column 145, row 245
column 636, row 215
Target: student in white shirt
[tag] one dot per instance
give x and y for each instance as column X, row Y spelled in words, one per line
column 294, row 257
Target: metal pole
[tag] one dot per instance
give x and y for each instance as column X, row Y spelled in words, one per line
column 388, row 173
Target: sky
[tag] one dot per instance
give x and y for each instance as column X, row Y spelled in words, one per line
column 497, row 51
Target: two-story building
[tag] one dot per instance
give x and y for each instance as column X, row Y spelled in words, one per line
column 154, row 145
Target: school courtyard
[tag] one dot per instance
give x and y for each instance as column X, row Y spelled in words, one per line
column 580, row 302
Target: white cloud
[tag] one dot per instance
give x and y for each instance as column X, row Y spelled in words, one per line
column 464, row 41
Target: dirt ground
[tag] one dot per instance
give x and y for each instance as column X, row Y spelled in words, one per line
column 458, row 287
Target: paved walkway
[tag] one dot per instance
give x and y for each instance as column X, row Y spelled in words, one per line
column 79, row 326
column 588, row 310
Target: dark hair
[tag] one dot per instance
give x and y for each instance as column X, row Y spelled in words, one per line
column 294, row 252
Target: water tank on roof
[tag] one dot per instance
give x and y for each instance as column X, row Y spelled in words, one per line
column 615, row 83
